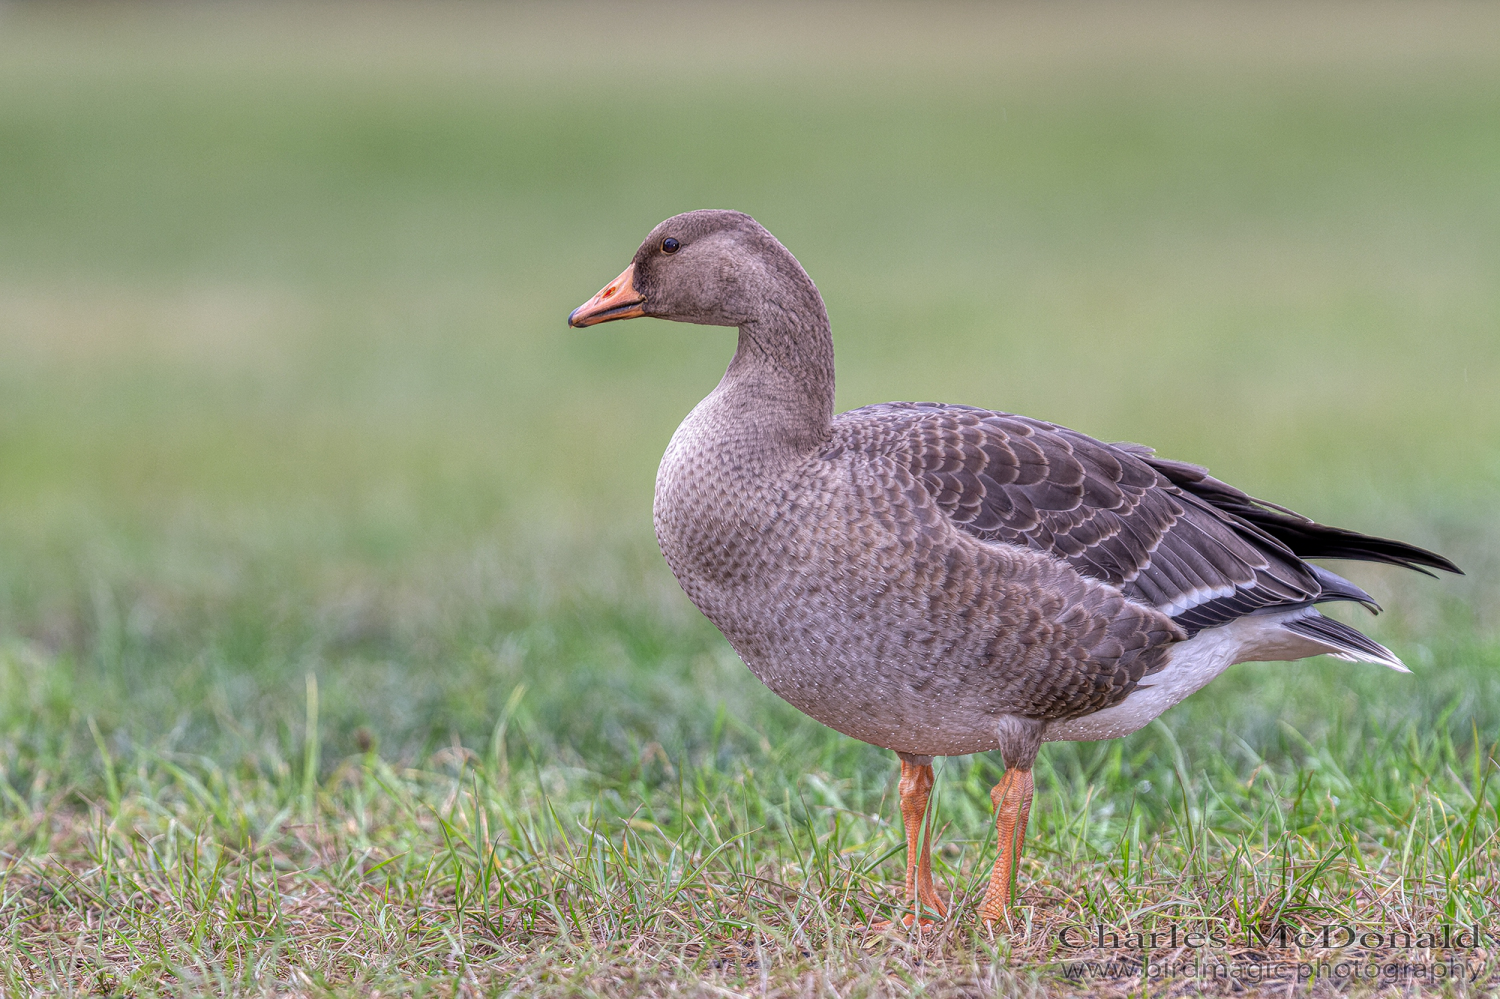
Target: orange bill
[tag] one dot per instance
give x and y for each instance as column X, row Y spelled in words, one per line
column 617, row 300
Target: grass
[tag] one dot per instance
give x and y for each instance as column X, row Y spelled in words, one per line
column 335, row 654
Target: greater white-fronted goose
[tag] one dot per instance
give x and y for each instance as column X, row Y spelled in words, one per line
column 942, row 580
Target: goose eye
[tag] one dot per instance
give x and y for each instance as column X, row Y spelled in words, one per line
column 669, row 245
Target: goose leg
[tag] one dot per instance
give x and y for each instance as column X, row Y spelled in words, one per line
column 915, row 787
column 1012, row 798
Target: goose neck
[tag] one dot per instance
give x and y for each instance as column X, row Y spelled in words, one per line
column 782, row 377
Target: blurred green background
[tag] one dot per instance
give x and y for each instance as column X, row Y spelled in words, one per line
column 285, row 385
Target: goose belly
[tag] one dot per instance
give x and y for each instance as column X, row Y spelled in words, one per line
column 1191, row 666
column 833, row 637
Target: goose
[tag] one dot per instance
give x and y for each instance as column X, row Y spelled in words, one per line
column 941, row 580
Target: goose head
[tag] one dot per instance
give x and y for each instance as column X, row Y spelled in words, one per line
column 710, row 267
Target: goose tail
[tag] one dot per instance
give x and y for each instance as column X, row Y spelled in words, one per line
column 1344, row 642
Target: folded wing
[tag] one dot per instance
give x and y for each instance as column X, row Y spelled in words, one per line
column 1166, row 533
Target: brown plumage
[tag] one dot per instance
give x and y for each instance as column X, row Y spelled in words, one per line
column 942, row 580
